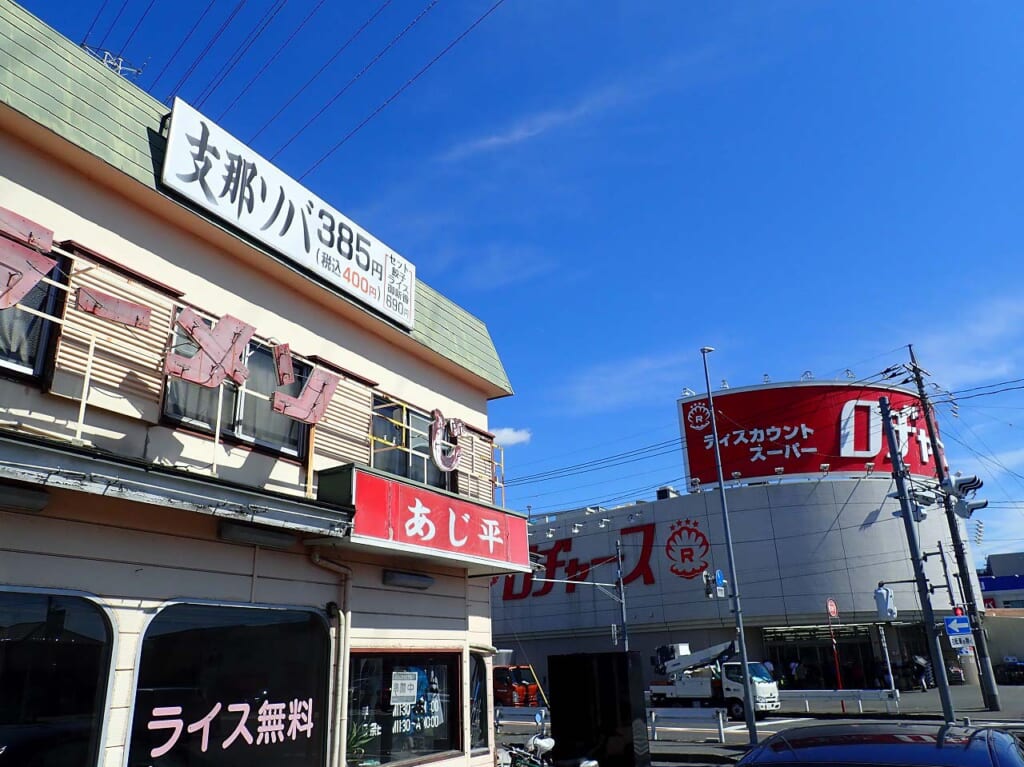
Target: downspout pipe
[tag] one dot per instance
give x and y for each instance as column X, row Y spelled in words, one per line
column 340, row 741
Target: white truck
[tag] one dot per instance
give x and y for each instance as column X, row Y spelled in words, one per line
column 708, row 679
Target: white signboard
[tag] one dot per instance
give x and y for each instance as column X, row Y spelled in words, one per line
column 403, row 687
column 962, row 640
column 220, row 174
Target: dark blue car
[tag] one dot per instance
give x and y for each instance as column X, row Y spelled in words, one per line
column 894, row 743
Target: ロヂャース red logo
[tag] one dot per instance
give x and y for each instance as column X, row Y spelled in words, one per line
column 687, row 547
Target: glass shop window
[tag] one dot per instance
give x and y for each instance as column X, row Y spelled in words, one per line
column 231, row 686
column 54, row 665
column 402, row 706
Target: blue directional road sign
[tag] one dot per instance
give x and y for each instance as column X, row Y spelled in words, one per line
column 719, row 584
column 958, row 625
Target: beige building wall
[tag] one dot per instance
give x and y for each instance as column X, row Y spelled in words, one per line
column 124, row 398
column 134, row 559
column 137, row 233
column 106, row 396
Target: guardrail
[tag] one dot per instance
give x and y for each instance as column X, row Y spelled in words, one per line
column 519, row 714
column 669, row 716
column 889, row 697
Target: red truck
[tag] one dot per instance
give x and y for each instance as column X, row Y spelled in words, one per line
column 515, row 686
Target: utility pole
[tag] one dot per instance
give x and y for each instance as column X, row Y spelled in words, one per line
column 989, row 689
column 748, row 698
column 899, row 473
column 622, row 593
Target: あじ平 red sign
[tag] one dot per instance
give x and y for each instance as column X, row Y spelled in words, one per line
column 411, row 518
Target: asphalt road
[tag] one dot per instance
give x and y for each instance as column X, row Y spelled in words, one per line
column 698, row 744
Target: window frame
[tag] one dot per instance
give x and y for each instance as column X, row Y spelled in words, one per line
column 105, row 691
column 480, row 659
column 456, row 711
column 232, row 427
column 53, row 307
column 405, row 446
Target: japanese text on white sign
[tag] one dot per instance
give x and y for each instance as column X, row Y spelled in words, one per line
column 217, row 172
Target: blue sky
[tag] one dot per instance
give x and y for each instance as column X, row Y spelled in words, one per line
column 806, row 186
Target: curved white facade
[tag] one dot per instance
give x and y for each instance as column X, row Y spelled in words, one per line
column 797, row 544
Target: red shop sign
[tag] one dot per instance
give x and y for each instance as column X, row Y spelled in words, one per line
column 802, row 429
column 410, row 518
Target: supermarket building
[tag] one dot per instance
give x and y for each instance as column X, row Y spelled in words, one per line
column 808, row 484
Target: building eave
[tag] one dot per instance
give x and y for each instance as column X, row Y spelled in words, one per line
column 40, row 462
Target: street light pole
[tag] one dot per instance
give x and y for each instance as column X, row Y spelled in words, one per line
column 748, row 702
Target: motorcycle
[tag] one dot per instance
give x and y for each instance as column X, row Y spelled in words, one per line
column 535, row 752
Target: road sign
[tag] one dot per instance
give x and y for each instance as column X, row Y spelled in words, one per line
column 958, row 625
column 832, row 608
column 961, row 640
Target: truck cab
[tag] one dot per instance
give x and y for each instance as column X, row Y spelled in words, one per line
column 515, row 686
column 764, row 689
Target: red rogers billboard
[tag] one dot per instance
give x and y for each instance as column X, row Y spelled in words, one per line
column 793, row 429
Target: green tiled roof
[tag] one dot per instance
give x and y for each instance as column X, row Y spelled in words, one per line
column 54, row 82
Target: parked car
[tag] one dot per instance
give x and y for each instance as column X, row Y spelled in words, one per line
column 887, row 744
column 1010, row 671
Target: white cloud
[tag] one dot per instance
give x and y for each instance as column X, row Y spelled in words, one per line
column 506, row 436
column 675, row 72
column 985, row 345
column 497, row 266
column 625, row 383
column 534, row 125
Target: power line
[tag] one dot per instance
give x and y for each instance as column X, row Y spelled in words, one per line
column 399, row 92
column 202, row 54
column 957, row 398
column 113, row 24
column 655, row 450
column 616, row 464
column 99, row 13
column 605, row 500
column 588, row 485
column 270, row 61
column 383, row 51
column 136, row 27
column 642, row 453
column 958, row 392
column 337, row 53
column 181, row 45
column 239, row 53
column 630, row 456
column 556, row 473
